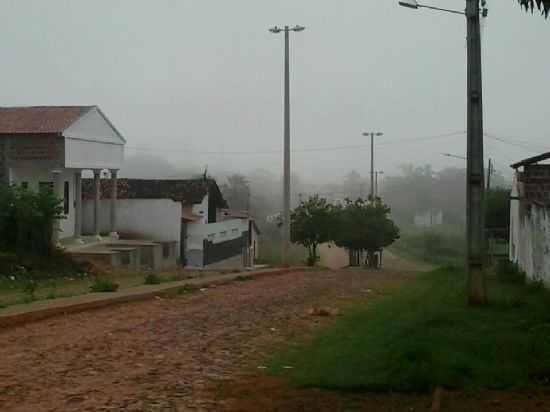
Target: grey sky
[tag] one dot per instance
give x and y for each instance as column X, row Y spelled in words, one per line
column 206, row 76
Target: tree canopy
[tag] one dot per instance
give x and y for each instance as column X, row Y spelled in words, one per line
column 364, row 225
column 312, row 223
column 542, row 5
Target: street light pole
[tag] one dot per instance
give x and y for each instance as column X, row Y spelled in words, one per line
column 477, row 293
column 286, row 151
column 372, row 134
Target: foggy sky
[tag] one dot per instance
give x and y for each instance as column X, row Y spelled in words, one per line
column 181, row 77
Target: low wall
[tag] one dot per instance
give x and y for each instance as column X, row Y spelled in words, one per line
column 530, row 240
column 153, row 219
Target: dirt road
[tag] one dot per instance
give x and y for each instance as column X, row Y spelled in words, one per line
column 167, row 354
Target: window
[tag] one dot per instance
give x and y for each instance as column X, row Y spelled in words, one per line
column 25, row 185
column 66, row 198
column 45, row 186
column 166, row 250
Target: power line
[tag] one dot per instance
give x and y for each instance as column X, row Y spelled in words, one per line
column 304, row 150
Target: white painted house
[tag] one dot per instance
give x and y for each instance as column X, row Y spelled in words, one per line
column 191, row 213
column 50, row 146
column 530, row 218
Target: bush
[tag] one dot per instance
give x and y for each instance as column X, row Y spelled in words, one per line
column 153, row 279
column 104, row 285
column 26, row 220
column 510, row 272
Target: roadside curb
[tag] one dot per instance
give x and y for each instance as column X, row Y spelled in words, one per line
column 20, row 315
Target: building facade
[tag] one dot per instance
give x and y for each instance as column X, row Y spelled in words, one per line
column 50, row 147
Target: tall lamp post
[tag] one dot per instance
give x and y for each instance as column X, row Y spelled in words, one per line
column 477, row 292
column 286, row 161
column 372, row 134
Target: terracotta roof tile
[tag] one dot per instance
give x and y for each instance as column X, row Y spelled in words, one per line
column 39, row 119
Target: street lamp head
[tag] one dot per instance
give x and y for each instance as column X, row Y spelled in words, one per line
column 275, row 29
column 379, row 134
column 411, row 4
column 298, row 28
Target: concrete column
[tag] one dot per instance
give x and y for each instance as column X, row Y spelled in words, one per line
column 97, row 198
column 56, row 191
column 114, row 192
column 78, row 206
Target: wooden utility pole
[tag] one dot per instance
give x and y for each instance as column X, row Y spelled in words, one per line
column 489, row 173
column 477, row 292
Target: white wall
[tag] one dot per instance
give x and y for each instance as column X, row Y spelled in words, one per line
column 92, row 143
column 93, row 126
column 154, row 219
column 84, row 154
column 202, row 210
column 215, row 232
column 34, row 176
column 530, row 239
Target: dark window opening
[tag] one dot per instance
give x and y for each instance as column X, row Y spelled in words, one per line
column 45, row 186
column 66, row 198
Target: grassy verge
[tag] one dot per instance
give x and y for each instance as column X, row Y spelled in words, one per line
column 424, row 335
column 13, row 292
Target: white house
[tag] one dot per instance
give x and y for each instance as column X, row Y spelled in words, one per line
column 429, row 218
column 50, row 147
column 187, row 212
column 530, row 217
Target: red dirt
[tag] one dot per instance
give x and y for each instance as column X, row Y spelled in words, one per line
column 166, row 353
column 200, row 352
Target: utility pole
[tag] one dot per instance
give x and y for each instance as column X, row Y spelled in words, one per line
column 372, row 134
column 477, row 292
column 286, row 151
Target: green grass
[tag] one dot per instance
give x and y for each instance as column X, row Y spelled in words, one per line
column 424, row 335
column 12, row 292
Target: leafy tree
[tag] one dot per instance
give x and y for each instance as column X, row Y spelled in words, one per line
column 237, row 192
column 365, row 226
column 311, row 224
column 542, row 5
column 26, row 220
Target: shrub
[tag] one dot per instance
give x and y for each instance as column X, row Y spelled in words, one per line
column 152, row 279
column 29, row 288
column 104, row 285
column 26, row 219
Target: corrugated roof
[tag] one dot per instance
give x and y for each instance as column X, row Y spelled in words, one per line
column 39, row 119
column 531, row 160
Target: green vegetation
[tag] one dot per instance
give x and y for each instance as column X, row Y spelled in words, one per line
column 364, row 226
column 26, row 220
column 312, row 223
column 153, row 279
column 425, row 335
column 101, row 284
column 440, row 245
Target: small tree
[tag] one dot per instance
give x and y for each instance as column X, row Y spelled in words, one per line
column 26, row 220
column 543, row 5
column 365, row 226
column 311, row 224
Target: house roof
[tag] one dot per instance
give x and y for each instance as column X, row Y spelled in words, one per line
column 39, row 119
column 189, row 191
column 531, row 160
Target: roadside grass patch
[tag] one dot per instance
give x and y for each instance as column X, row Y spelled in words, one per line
column 153, row 279
column 424, row 335
column 103, row 285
